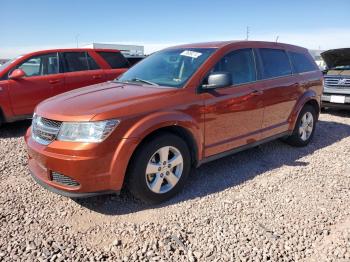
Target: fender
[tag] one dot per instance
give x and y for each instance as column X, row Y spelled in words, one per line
column 306, row 97
column 142, row 129
column 5, row 105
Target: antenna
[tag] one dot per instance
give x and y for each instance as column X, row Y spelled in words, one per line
column 277, row 38
column 248, row 31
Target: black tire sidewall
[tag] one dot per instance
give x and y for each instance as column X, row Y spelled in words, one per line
column 295, row 138
column 136, row 175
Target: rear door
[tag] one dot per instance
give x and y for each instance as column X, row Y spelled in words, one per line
column 280, row 87
column 118, row 63
column 80, row 70
column 42, row 77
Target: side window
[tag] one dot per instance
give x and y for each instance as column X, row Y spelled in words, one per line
column 114, row 59
column 275, row 63
column 75, row 61
column 92, row 63
column 240, row 64
column 40, row 65
column 301, row 63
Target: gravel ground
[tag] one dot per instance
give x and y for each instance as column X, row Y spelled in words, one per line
column 270, row 203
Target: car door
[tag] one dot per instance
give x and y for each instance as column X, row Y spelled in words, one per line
column 234, row 114
column 281, row 89
column 42, row 76
column 80, row 70
column 118, row 63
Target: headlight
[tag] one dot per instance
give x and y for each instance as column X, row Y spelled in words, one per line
column 89, row 132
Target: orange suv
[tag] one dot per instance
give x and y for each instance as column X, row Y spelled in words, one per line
column 176, row 109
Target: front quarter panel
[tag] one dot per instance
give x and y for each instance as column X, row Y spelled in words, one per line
column 141, row 129
column 5, row 105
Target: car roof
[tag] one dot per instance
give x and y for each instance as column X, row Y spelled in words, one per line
column 220, row 44
column 73, row 50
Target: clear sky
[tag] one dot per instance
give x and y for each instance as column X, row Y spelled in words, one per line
column 28, row 25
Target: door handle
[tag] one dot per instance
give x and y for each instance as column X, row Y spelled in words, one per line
column 97, row 77
column 54, row 81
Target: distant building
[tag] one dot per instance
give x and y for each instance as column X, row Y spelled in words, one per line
column 127, row 50
column 3, row 61
column 316, row 54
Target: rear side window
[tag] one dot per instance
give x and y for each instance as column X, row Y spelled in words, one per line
column 92, row 63
column 115, row 59
column 301, row 62
column 275, row 63
column 75, row 61
column 79, row 61
column 240, row 64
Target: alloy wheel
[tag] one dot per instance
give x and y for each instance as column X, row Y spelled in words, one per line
column 164, row 169
column 306, row 126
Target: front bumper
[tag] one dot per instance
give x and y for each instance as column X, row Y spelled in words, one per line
column 69, row 194
column 326, row 101
column 92, row 166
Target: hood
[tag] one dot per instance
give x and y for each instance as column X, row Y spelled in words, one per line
column 336, row 57
column 85, row 103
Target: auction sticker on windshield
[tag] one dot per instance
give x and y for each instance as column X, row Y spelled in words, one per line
column 190, row 53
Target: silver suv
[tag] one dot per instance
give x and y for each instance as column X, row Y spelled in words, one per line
column 336, row 93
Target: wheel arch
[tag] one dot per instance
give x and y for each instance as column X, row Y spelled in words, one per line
column 315, row 105
column 2, row 116
column 179, row 131
column 309, row 98
column 176, row 123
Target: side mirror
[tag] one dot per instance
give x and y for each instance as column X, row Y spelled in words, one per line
column 17, row 74
column 218, row 79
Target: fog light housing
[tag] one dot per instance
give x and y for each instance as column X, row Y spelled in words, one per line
column 64, row 180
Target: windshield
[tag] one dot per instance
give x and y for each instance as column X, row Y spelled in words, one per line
column 171, row 67
column 2, row 67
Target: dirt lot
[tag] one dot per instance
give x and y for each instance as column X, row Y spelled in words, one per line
column 273, row 202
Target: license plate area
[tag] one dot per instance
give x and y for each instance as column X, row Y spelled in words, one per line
column 338, row 99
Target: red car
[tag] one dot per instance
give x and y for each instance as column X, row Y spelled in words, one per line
column 29, row 79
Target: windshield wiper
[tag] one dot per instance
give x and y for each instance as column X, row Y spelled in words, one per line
column 133, row 80
column 143, row 81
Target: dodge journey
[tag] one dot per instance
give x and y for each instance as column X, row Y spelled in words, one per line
column 171, row 112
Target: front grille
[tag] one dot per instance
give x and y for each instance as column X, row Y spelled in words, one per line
column 44, row 130
column 340, row 82
column 64, row 180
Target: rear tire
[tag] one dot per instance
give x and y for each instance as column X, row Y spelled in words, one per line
column 304, row 128
column 159, row 168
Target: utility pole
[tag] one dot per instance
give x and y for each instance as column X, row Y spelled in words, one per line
column 77, row 39
column 247, row 36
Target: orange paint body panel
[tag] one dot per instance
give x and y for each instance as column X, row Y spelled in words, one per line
column 217, row 120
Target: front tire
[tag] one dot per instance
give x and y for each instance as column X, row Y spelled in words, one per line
column 159, row 168
column 304, row 128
